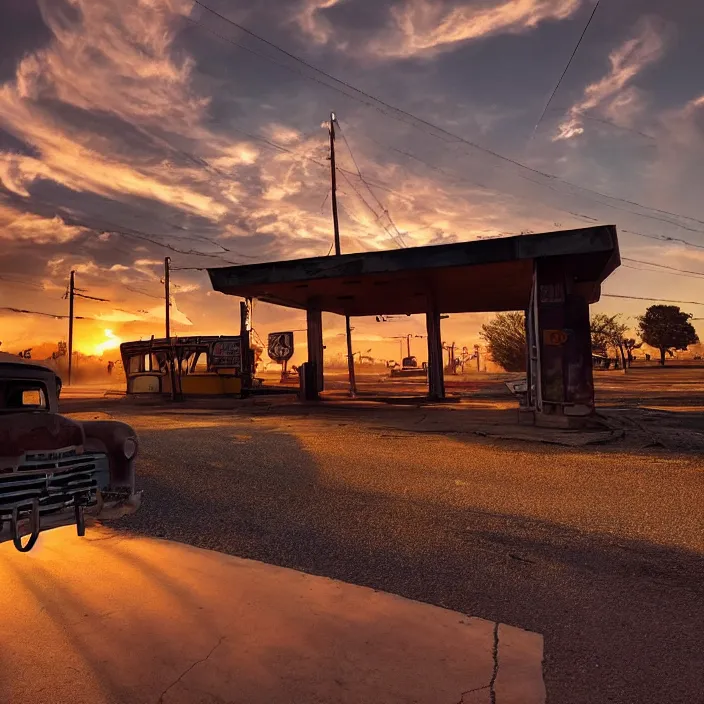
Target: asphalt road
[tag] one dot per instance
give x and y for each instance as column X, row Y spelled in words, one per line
column 601, row 550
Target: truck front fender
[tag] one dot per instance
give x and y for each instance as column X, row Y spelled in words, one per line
column 109, row 436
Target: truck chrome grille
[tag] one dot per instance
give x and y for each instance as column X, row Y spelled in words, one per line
column 55, row 480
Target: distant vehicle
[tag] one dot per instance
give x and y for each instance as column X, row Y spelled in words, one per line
column 409, row 367
column 409, row 364
column 55, row 471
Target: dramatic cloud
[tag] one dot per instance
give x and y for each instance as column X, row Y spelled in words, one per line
column 102, row 58
column 131, row 130
column 612, row 96
column 17, row 225
column 685, row 126
column 311, row 22
column 420, row 27
column 123, row 61
column 426, row 27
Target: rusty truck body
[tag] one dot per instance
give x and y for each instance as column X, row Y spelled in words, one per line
column 56, row 471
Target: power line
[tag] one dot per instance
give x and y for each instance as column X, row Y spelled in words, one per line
column 479, row 185
column 366, row 181
column 362, row 179
column 107, row 228
column 325, row 200
column 664, row 238
column 610, row 123
column 643, row 298
column 90, row 298
column 48, row 315
column 371, row 209
column 101, row 226
column 438, row 132
column 354, row 218
column 138, row 314
column 662, row 266
column 460, row 177
column 147, row 238
column 657, row 271
column 22, row 283
column 143, row 293
column 303, row 157
column 569, row 63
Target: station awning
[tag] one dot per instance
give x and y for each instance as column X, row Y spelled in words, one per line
column 478, row 276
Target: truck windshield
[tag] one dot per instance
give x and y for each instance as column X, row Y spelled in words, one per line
column 23, row 395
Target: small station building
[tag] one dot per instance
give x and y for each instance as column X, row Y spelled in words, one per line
column 553, row 277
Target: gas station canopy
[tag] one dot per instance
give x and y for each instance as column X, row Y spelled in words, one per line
column 483, row 275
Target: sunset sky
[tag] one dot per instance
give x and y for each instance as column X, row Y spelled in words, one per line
column 135, row 129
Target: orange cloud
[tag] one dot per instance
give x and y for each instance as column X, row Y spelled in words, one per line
column 203, row 188
column 118, row 61
column 282, row 134
column 17, row 225
column 612, row 94
column 424, row 27
column 119, row 56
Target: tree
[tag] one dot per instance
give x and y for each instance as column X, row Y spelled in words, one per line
column 667, row 328
column 505, row 337
column 630, row 344
column 608, row 331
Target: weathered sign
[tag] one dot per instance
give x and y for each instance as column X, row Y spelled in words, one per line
column 226, row 353
column 280, row 346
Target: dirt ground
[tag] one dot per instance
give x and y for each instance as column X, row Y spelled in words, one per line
column 599, row 547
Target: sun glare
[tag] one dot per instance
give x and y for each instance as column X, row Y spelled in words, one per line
column 111, row 342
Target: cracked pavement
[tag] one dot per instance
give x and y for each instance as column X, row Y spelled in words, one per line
column 193, row 626
column 600, row 549
column 189, row 668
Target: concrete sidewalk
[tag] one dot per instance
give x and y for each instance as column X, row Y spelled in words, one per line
column 115, row 619
column 95, row 391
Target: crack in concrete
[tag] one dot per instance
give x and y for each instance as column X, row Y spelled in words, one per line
column 469, row 691
column 492, row 682
column 188, row 669
column 495, row 655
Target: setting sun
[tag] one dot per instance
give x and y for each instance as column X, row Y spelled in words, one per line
column 111, row 342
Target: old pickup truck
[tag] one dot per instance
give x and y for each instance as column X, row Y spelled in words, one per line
column 55, row 471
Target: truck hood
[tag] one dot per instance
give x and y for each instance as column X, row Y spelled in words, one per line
column 37, row 432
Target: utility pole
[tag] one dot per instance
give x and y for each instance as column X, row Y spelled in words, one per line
column 70, row 323
column 167, row 297
column 175, row 393
column 336, row 230
column 333, row 180
column 451, row 366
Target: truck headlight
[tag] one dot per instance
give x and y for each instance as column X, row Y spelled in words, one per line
column 129, row 448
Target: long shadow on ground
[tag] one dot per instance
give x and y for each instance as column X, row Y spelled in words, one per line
column 623, row 620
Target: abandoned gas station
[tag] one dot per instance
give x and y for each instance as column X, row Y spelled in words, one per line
column 552, row 276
